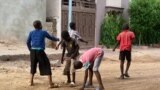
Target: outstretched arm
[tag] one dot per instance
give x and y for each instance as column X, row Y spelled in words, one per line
column 83, row 41
column 59, row 44
column 53, row 38
column 80, row 38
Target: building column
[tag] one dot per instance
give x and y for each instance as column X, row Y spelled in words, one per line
column 100, row 14
column 125, row 5
column 54, row 10
column 69, row 14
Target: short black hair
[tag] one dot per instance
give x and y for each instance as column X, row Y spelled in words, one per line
column 65, row 34
column 72, row 25
column 37, row 24
column 78, row 65
column 125, row 26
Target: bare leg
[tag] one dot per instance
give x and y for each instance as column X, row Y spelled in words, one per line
column 122, row 69
column 73, row 76
column 127, row 68
column 51, row 84
column 68, row 78
column 31, row 80
column 99, row 80
column 90, row 77
column 50, row 81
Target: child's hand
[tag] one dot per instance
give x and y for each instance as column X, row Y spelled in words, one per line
column 56, row 47
column 86, row 42
column 62, row 61
column 82, row 88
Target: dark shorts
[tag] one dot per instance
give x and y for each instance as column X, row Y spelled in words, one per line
column 39, row 56
column 125, row 55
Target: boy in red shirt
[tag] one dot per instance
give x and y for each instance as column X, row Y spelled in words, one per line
column 124, row 39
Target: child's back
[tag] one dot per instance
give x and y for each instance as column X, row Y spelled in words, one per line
column 36, row 46
column 125, row 38
column 37, row 38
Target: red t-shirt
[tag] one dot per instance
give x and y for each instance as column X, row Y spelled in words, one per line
column 125, row 38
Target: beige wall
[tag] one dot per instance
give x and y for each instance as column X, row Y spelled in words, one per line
column 54, row 11
column 115, row 3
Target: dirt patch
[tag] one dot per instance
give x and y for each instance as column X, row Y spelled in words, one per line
column 144, row 72
column 144, row 76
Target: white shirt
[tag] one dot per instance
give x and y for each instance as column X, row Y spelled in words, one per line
column 74, row 34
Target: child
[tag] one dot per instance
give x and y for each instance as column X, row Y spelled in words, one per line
column 36, row 46
column 125, row 39
column 73, row 51
column 91, row 61
column 73, row 34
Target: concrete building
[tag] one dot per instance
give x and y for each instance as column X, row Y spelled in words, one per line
column 17, row 16
column 102, row 6
column 53, row 10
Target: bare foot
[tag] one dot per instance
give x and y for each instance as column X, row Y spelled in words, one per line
column 82, row 88
column 89, row 85
column 66, row 82
column 31, row 84
column 126, row 75
column 121, row 77
column 53, row 85
column 100, row 88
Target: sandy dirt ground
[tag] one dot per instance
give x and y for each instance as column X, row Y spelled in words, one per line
column 144, row 72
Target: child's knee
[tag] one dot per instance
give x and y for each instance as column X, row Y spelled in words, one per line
column 95, row 72
column 95, row 69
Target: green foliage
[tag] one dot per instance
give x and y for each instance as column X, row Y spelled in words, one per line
column 145, row 21
column 110, row 28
